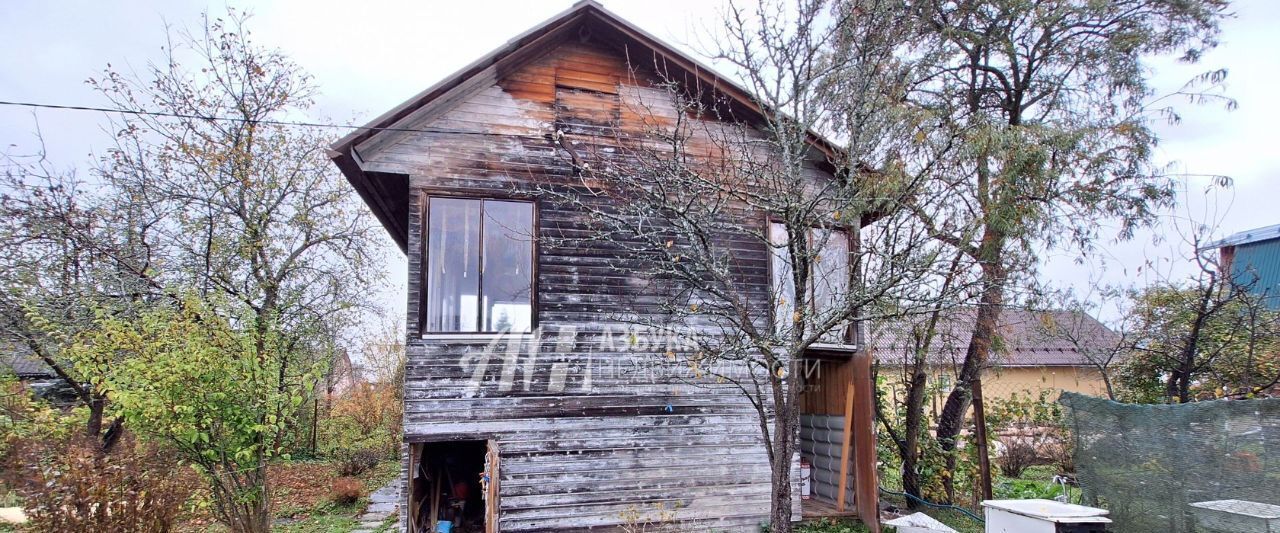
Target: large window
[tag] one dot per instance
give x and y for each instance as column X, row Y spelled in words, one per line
column 478, row 266
column 828, row 283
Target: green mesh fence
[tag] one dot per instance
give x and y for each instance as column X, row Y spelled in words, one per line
column 1208, row 466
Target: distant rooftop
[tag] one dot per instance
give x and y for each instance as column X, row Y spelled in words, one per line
column 20, row 361
column 1265, row 233
column 1029, row 338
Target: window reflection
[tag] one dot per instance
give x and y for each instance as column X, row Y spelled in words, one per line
column 508, row 253
column 453, row 265
column 828, row 285
column 783, row 282
column 830, row 277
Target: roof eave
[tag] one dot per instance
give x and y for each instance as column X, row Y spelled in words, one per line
column 347, row 162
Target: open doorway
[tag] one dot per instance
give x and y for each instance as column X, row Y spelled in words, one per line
column 837, row 438
column 453, row 487
column 824, row 439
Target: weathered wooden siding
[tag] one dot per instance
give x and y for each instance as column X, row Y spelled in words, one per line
column 604, row 445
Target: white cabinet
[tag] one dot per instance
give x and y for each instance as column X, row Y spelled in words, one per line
column 1043, row 516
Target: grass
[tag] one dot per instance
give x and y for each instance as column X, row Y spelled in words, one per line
column 381, row 474
column 828, row 525
column 386, row 526
column 326, row 516
column 1035, row 482
column 957, row 520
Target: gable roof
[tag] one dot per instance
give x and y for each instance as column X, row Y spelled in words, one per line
column 1027, row 337
column 387, row 195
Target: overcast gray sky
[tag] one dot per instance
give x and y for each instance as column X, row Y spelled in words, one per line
column 369, row 56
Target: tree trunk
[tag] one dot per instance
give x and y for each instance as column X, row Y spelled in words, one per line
column 785, row 443
column 315, row 423
column 918, row 382
column 1106, row 381
column 783, row 448
column 244, row 500
column 1179, row 383
column 911, row 440
column 93, row 427
column 975, row 360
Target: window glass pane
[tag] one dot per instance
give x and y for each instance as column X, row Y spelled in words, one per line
column 783, row 283
column 453, row 265
column 508, row 265
column 831, row 276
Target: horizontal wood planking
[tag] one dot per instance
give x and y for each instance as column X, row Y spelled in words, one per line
column 603, row 446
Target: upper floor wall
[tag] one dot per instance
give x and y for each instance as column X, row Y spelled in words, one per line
column 493, row 149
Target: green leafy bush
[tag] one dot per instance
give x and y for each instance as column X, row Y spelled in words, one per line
column 193, row 379
column 1026, row 489
column 367, row 417
column 24, row 417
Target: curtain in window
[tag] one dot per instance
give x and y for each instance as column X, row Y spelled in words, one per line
column 453, row 265
column 783, row 282
column 830, row 277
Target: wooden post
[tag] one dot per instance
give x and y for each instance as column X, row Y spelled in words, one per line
column 315, row 421
column 410, row 489
column 980, row 423
column 435, row 500
column 865, row 477
column 491, row 494
column 845, row 446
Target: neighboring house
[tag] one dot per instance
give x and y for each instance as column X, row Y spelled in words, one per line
column 1038, row 351
column 22, row 364
column 35, row 374
column 1253, row 259
column 343, row 376
column 563, row 433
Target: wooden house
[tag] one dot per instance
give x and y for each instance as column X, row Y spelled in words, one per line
column 500, row 388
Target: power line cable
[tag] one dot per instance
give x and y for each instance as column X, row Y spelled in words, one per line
column 300, row 124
